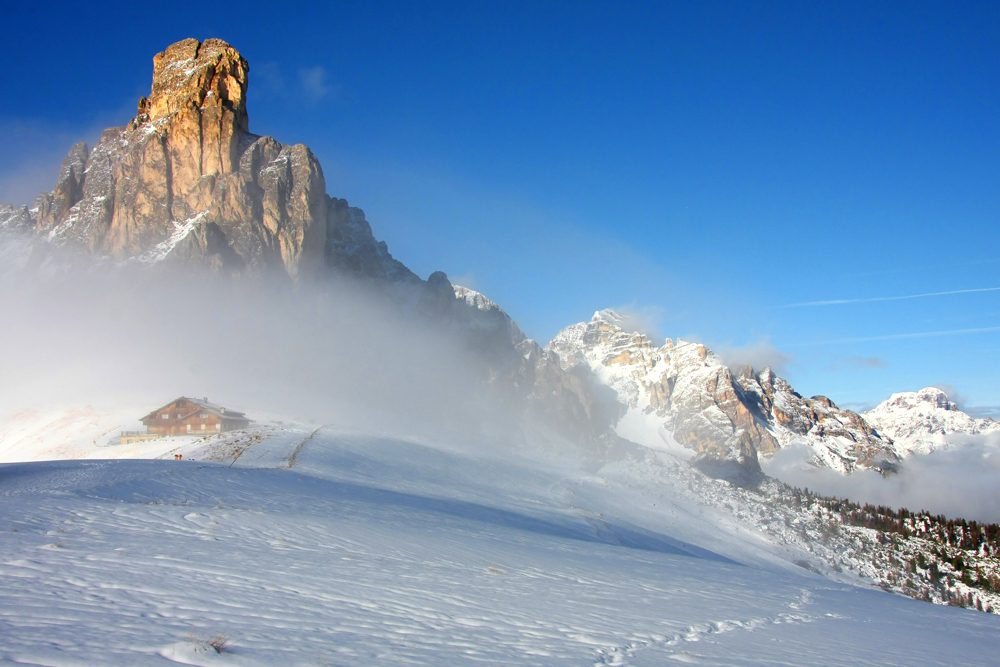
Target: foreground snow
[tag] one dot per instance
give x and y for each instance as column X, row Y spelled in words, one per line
column 318, row 546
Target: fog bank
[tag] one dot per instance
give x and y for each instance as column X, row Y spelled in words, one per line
column 76, row 333
column 957, row 482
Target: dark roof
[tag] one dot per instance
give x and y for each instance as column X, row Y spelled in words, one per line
column 203, row 406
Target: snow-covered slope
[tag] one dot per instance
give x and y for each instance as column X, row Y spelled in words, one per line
column 313, row 545
column 920, row 421
column 682, row 393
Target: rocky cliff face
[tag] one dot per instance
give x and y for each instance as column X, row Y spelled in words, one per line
column 570, row 400
column 681, row 394
column 920, row 421
column 186, row 181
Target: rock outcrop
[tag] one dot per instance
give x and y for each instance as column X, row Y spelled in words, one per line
column 186, row 181
column 920, row 422
column 527, row 377
column 16, row 218
column 681, row 394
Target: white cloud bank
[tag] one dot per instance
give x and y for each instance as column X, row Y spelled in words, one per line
column 759, row 355
column 642, row 319
column 88, row 334
column 959, row 482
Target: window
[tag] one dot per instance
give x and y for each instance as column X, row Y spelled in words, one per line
column 203, row 415
column 165, row 415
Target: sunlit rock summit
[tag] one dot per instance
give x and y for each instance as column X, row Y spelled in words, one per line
column 187, row 181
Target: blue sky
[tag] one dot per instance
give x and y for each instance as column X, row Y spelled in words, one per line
column 702, row 165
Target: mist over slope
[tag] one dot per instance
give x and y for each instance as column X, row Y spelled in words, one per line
column 327, row 355
column 261, row 286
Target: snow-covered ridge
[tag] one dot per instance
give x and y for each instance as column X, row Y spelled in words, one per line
column 413, row 552
column 920, row 421
column 475, row 299
column 494, row 312
column 683, row 394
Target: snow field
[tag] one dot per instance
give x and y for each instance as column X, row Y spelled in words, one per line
column 370, row 551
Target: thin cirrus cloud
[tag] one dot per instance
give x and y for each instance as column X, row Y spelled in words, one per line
column 839, row 363
column 903, row 336
column 313, row 82
column 864, row 362
column 840, row 302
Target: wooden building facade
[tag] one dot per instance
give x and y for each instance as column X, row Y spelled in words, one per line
column 193, row 416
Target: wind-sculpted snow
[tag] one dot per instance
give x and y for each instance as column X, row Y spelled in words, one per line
column 682, row 393
column 374, row 551
column 920, row 422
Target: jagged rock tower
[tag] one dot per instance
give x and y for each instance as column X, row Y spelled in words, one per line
column 186, row 181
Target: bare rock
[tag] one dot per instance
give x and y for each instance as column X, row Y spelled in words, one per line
column 15, row 218
column 185, row 180
column 55, row 206
column 681, row 393
column 352, row 250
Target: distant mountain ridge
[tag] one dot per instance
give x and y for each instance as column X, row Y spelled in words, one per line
column 682, row 393
column 920, row 421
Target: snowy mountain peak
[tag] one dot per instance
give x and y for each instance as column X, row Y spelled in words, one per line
column 476, row 299
column 682, row 397
column 609, row 317
column 927, row 395
column 920, row 421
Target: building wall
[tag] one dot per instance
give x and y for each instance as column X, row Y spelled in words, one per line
column 170, row 420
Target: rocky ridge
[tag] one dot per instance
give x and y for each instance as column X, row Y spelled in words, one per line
column 186, row 181
column 681, row 395
column 571, row 400
column 919, row 422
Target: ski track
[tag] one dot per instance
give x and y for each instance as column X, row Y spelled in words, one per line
column 374, row 551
